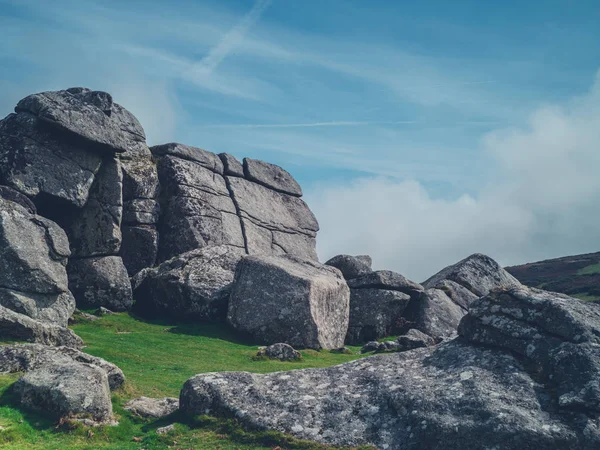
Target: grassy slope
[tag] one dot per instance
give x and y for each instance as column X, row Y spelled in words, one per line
column 578, row 275
column 156, row 358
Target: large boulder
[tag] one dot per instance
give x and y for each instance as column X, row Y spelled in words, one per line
column 287, row 299
column 28, row 357
column 478, row 273
column 386, row 279
column 455, row 397
column 192, row 286
column 524, row 374
column 67, row 389
column 100, row 281
column 556, row 334
column 350, row 266
column 375, row 313
column 435, row 314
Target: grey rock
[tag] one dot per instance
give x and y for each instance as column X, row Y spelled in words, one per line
column 372, row 346
column 66, row 389
column 231, row 165
column 287, row 299
column 478, row 273
column 374, row 314
column 350, row 266
column 166, row 429
column 457, row 293
column 342, row 351
column 414, row 339
column 458, row 396
column 100, row 281
column 274, row 223
column 19, row 327
column 365, row 259
column 80, row 316
column 48, row 308
column 192, row 286
column 139, row 248
column 435, row 314
column 29, row 357
column 141, row 211
column 386, row 279
column 280, row 351
column 140, row 179
column 8, row 193
column 96, row 228
column 152, row 407
column 197, row 209
column 87, row 114
column 28, row 149
column 206, row 159
column 271, row 176
column 102, row 311
column 557, row 334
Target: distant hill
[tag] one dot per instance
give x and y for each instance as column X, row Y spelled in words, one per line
column 578, row 276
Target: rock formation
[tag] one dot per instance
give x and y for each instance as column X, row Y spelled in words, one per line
column 291, row 300
column 524, row 374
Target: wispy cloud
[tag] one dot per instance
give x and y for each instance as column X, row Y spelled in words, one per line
column 232, row 38
column 340, row 123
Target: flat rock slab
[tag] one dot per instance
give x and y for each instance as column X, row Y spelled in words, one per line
column 271, row 176
column 287, row 299
column 231, row 165
column 206, row 159
column 386, row 279
column 457, row 397
column 152, row 407
column 87, row 114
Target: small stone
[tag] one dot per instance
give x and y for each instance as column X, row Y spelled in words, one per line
column 165, row 430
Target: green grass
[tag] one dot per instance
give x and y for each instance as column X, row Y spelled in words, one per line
column 157, row 358
column 589, row 270
column 587, row 297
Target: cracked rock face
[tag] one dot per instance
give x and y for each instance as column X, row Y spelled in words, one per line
column 271, row 176
column 525, row 373
column 351, row 266
column 286, row 299
column 194, row 285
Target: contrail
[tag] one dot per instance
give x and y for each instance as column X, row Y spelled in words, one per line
column 231, row 39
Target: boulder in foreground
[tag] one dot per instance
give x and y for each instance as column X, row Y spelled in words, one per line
column 286, row 299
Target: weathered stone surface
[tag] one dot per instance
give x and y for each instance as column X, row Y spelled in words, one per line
column 231, row 166
column 139, row 248
column 28, row 149
column 140, row 179
column 96, row 228
column 28, row 357
column 557, row 334
column 274, row 223
column 374, row 313
column 386, row 279
column 67, row 389
column 48, row 308
column 152, row 407
column 372, row 346
column 8, row 193
column 102, row 311
column 19, row 327
column 141, row 211
column 478, row 273
column 457, row 293
column 192, row 286
column 414, row 339
column 280, row 351
column 366, row 259
column 91, row 115
column 458, row 396
column 435, row 314
column 197, row 210
column 206, row 159
column 166, row 429
column 100, row 281
column 287, row 299
column 350, row 266
column 271, row 176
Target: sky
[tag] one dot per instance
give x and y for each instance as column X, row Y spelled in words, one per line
column 421, row 132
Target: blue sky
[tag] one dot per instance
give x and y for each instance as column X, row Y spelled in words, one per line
column 423, row 106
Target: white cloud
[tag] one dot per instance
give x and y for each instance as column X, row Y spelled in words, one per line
column 542, row 201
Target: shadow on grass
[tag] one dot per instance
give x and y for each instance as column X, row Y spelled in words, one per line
column 9, row 397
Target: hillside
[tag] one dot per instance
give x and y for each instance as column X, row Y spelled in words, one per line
column 578, row 276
